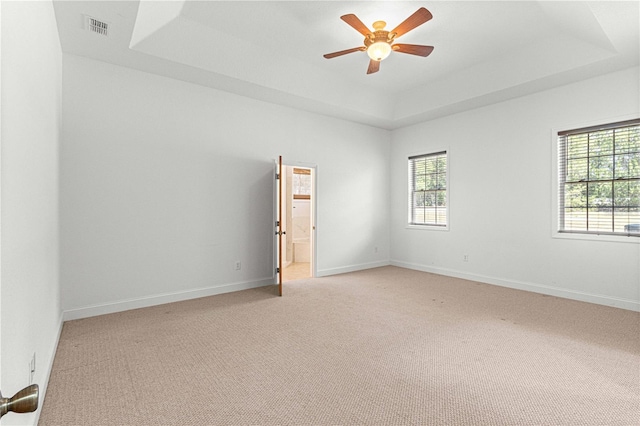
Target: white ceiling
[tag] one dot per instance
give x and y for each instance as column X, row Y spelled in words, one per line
column 485, row 51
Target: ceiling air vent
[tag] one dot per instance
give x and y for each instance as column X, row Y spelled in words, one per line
column 96, row 26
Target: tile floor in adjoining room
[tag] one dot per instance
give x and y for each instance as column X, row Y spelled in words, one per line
column 297, row 271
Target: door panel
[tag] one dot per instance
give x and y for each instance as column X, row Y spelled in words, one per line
column 278, row 240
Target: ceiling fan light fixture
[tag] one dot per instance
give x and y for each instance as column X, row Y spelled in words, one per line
column 379, row 50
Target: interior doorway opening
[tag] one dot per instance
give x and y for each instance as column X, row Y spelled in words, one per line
column 298, row 206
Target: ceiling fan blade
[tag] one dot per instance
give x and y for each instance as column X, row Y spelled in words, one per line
column 344, row 52
column 374, row 66
column 413, row 49
column 356, row 23
column 418, row 18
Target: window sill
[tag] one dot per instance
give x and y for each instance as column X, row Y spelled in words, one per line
column 597, row 237
column 428, row 227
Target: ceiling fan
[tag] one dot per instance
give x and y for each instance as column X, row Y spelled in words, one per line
column 379, row 43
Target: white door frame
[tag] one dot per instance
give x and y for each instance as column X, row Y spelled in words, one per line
column 314, row 208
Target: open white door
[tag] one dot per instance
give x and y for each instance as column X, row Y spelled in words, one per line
column 279, row 232
column 284, row 201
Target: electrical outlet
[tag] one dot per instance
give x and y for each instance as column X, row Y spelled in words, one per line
column 238, row 265
column 465, row 258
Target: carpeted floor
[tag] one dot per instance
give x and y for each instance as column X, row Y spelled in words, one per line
column 383, row 346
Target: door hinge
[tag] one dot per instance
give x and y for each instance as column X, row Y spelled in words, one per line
column 277, row 270
column 277, row 176
column 277, row 223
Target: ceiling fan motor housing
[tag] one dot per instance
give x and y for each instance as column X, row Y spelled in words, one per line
column 379, row 34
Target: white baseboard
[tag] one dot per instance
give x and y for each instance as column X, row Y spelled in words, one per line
column 160, row 299
column 632, row 305
column 351, row 268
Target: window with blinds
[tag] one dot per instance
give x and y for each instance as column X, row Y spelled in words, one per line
column 428, row 189
column 301, row 184
column 599, row 179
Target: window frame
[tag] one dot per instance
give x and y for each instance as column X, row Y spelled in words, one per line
column 428, row 226
column 302, row 172
column 556, row 181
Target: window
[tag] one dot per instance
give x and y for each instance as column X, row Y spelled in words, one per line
column 301, row 184
column 599, row 179
column 428, row 189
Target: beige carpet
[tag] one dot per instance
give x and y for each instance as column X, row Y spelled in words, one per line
column 384, row 346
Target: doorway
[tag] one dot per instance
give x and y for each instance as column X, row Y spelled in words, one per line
column 298, row 207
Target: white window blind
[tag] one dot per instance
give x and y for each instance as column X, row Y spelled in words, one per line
column 428, row 189
column 599, row 179
column 301, row 184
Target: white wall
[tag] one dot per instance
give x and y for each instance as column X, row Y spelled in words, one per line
column 165, row 184
column 30, row 307
column 501, row 192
